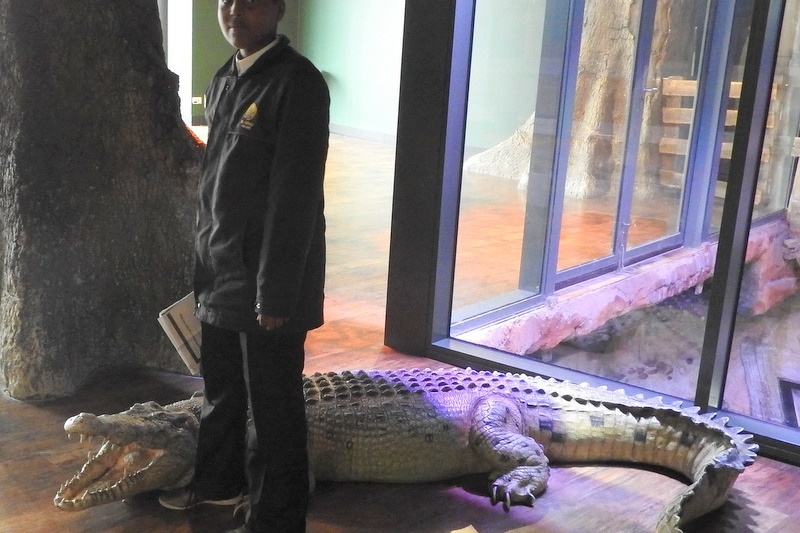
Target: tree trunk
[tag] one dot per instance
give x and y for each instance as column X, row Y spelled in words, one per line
column 605, row 70
column 97, row 180
column 602, row 98
column 648, row 165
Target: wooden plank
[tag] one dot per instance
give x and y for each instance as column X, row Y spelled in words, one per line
column 684, row 116
column 680, row 147
column 673, row 146
column 677, row 115
column 679, row 87
column 736, row 90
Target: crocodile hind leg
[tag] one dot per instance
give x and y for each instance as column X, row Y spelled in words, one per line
column 519, row 467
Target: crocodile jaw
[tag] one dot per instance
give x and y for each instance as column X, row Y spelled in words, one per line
column 107, row 475
column 122, row 469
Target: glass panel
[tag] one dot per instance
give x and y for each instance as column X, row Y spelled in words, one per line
column 504, row 76
column 654, row 339
column 670, row 95
column 599, row 124
column 642, row 325
column 739, row 33
column 763, row 378
column 781, row 145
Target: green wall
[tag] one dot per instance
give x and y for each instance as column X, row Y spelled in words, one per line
column 209, row 51
column 357, row 45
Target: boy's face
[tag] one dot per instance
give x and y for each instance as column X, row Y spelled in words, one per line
column 250, row 25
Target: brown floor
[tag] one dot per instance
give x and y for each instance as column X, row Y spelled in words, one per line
column 35, row 456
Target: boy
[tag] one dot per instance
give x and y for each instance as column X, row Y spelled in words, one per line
column 259, row 270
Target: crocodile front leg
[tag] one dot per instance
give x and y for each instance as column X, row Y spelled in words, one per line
column 519, row 467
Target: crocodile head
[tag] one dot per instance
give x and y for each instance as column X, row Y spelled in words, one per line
column 145, row 448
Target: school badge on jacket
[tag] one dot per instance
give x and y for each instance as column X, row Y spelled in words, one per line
column 249, row 117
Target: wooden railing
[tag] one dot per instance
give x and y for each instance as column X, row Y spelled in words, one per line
column 678, row 103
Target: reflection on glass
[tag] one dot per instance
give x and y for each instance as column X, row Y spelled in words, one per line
column 504, row 80
column 670, row 97
column 654, row 344
column 507, row 42
column 649, row 209
column 764, row 372
column 642, row 325
column 781, row 146
column 738, row 52
column 597, row 144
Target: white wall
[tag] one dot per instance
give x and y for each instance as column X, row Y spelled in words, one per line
column 179, row 51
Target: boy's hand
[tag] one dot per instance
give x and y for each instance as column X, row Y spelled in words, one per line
column 271, row 323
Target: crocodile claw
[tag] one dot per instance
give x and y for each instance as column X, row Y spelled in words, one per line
column 509, row 497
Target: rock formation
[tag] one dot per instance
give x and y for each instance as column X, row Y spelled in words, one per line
column 97, row 179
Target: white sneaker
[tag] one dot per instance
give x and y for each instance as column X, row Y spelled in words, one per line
column 183, row 499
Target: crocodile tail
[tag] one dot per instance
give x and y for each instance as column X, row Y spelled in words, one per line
column 702, row 447
column 712, row 480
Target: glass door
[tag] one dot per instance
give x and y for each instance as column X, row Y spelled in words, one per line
column 505, row 83
column 577, row 141
column 763, row 373
column 636, row 88
column 599, row 127
column 668, row 92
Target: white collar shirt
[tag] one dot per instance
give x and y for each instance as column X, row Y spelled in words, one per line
column 245, row 63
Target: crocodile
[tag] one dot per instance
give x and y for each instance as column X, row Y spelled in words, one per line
column 423, row 425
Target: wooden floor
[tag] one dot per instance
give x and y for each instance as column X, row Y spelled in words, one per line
column 36, row 457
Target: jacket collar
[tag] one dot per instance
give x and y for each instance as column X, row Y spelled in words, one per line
column 266, row 58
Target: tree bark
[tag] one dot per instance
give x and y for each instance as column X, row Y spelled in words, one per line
column 602, row 98
column 97, row 180
column 605, row 70
column 649, row 159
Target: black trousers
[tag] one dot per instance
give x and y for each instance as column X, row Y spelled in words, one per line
column 261, row 374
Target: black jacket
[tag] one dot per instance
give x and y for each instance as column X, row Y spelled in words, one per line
column 260, row 244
